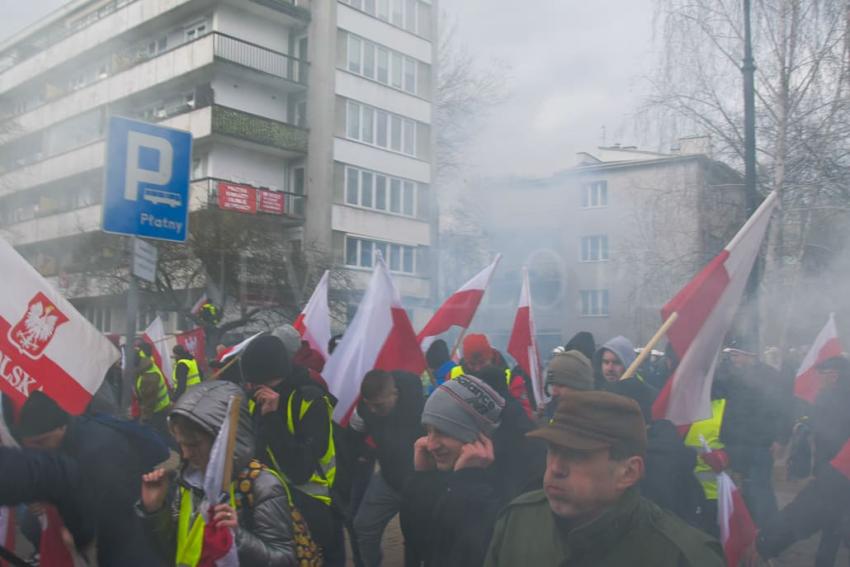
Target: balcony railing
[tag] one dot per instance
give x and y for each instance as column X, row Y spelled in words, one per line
column 260, row 58
column 205, row 190
column 258, row 129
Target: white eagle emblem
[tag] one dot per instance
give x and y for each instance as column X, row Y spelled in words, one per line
column 35, row 329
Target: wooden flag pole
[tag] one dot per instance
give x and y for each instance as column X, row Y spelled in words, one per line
column 233, row 418
column 458, row 342
column 221, row 370
column 649, row 346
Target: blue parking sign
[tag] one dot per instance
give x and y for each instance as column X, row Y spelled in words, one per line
column 146, row 188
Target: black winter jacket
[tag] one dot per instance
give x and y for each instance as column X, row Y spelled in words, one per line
column 395, row 434
column 830, row 421
column 754, row 414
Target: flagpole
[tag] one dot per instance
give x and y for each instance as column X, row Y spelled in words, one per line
column 221, row 370
column 649, row 346
column 233, row 418
column 457, row 343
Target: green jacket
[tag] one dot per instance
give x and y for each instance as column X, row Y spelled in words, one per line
column 634, row 532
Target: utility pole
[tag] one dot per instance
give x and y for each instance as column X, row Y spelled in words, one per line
column 748, row 70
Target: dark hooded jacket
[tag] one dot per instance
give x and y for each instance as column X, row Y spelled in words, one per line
column 634, row 387
column 395, row 434
column 830, row 420
column 264, row 536
column 447, row 517
column 754, row 403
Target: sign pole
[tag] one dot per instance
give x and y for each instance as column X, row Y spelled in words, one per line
column 130, row 332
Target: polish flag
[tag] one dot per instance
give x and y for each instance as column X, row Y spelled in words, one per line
column 459, row 309
column 380, row 336
column 523, row 345
column 45, row 344
column 841, row 461
column 737, row 531
column 155, row 336
column 236, row 349
column 195, row 342
column 196, row 308
column 808, row 383
column 314, row 322
column 52, row 549
column 219, row 545
column 704, row 310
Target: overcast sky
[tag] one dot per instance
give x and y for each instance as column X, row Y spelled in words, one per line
column 572, row 67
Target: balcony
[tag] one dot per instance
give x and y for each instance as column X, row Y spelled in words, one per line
column 258, row 129
column 299, row 9
column 130, row 74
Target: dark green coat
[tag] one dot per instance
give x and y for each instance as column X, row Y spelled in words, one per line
column 634, row 533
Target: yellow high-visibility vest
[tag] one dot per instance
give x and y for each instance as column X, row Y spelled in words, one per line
column 708, row 429
column 163, row 397
column 190, row 530
column 193, row 376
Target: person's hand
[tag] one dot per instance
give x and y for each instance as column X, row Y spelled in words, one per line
column 718, row 460
column 154, row 489
column 224, row 516
column 478, row 454
column 422, row 458
column 267, row 399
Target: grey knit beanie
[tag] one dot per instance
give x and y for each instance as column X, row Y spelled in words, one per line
column 464, row 407
column 570, row 368
column 290, row 337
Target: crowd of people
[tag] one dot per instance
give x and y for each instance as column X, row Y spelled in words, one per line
column 476, row 471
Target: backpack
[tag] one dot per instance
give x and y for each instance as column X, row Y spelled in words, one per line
column 307, row 553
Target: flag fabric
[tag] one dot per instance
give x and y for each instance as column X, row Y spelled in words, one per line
column 156, row 337
column 459, row 309
column 236, row 349
column 841, row 461
column 45, row 343
column 194, row 341
column 51, row 549
column 523, row 344
column 737, row 530
column 380, row 336
column 706, row 308
column 808, row 383
column 314, row 322
column 219, row 547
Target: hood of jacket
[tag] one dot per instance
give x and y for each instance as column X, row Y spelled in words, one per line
column 621, row 346
column 206, row 405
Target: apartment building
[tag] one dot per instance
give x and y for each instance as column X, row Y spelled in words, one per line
column 607, row 241
column 313, row 116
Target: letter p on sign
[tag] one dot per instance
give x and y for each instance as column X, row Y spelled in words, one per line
column 135, row 173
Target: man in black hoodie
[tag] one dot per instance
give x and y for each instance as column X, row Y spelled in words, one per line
column 389, row 411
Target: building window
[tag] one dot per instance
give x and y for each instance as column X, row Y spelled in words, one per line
column 196, row 30
column 362, row 252
column 594, row 303
column 594, row 194
column 100, row 317
column 594, row 248
column 379, row 128
column 369, row 189
column 405, row 14
column 384, row 65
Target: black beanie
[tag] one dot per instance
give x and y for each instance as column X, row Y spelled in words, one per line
column 582, row 342
column 265, row 359
column 438, row 354
column 39, row 415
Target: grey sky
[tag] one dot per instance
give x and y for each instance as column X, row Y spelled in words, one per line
column 572, row 67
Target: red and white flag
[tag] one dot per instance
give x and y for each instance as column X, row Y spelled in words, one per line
column 45, row 344
column 155, row 336
column 232, row 351
column 706, row 308
column 196, row 308
column 808, row 381
column 195, row 342
column 737, row 530
column 380, row 336
column 522, row 344
column 459, row 309
column 314, row 322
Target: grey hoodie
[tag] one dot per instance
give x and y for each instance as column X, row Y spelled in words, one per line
column 621, row 346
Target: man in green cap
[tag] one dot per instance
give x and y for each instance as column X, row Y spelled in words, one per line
column 590, row 512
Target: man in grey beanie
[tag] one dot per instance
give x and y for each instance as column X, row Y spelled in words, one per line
column 463, row 475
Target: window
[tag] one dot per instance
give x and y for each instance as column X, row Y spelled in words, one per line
column 384, row 10
column 396, row 71
column 410, row 75
column 594, row 194
column 594, row 302
column 368, row 125
column 369, row 59
column 398, row 12
column 355, row 45
column 383, row 65
column 353, row 120
column 196, row 30
column 101, row 318
column 395, row 132
column 409, row 15
column 594, row 248
column 361, row 253
column 382, row 123
column 298, row 180
column 369, row 189
column 409, row 146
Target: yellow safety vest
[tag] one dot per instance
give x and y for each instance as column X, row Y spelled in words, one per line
column 455, row 372
column 190, row 530
column 193, row 377
column 708, row 429
column 319, row 485
column 163, row 398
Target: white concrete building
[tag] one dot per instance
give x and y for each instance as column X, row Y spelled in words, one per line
column 318, row 111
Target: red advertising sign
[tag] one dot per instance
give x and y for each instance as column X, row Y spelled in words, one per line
column 237, row 198
column 270, row 202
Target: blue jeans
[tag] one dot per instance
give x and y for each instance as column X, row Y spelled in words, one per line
column 380, row 503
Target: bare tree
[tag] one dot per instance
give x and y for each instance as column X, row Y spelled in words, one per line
column 801, row 53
